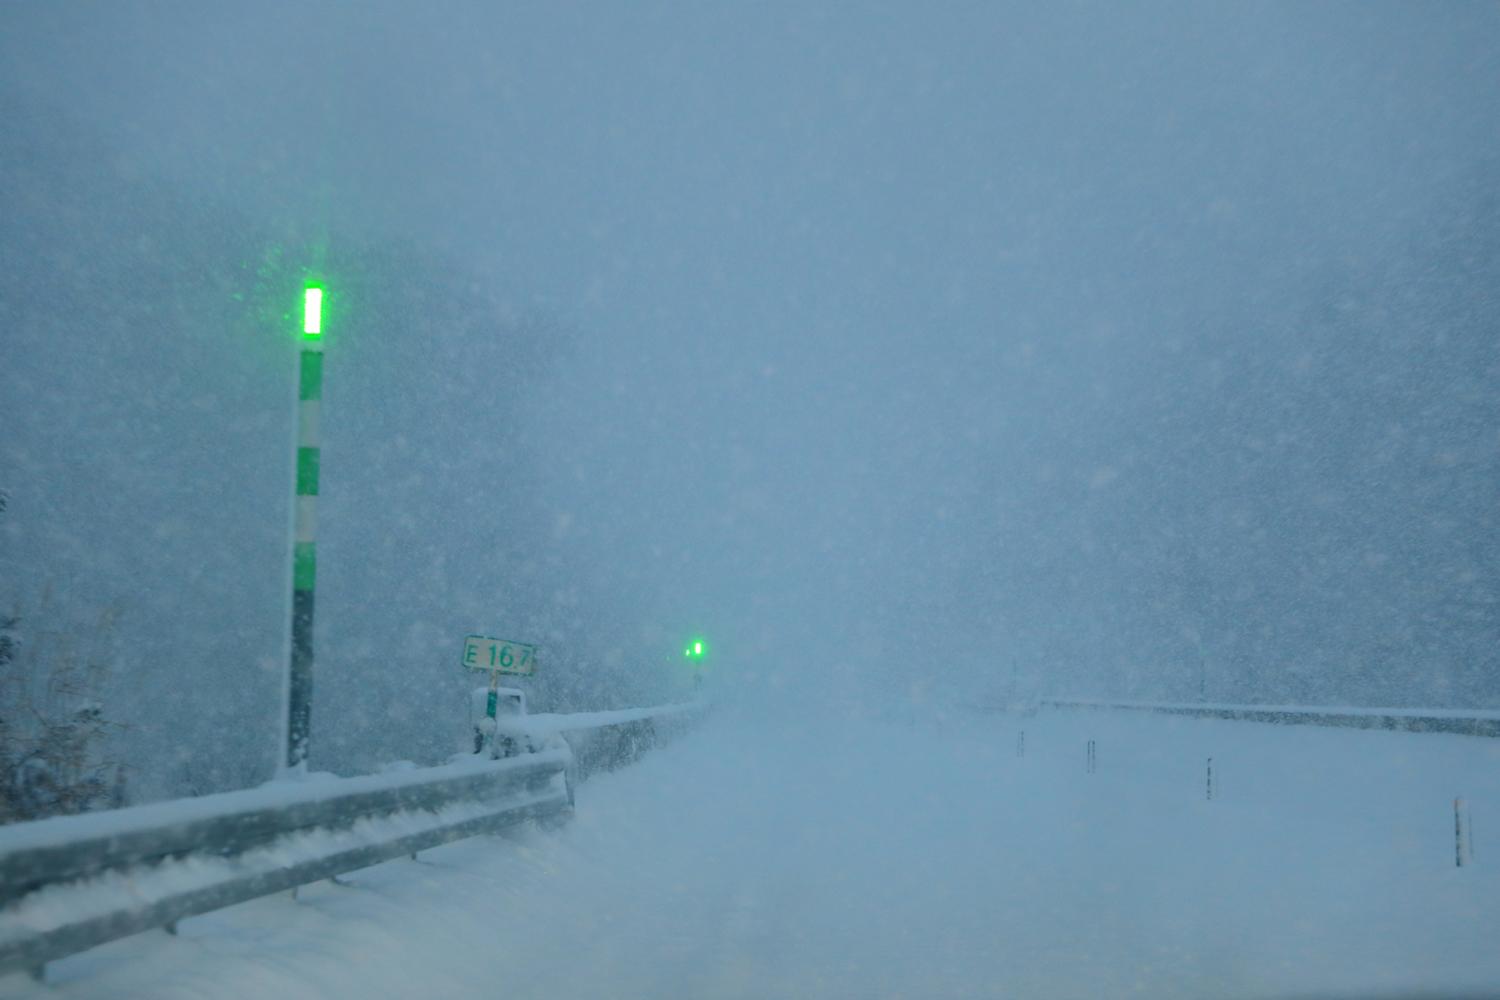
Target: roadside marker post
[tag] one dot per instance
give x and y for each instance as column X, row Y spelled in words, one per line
column 304, row 530
column 1463, row 844
column 498, row 656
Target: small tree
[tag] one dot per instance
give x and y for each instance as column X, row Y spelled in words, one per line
column 52, row 725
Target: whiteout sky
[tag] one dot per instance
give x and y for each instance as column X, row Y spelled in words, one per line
column 906, row 351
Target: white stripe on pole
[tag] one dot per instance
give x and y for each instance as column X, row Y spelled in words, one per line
column 309, row 411
column 307, row 519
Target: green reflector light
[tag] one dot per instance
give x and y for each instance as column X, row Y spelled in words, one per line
column 698, row 648
column 312, row 312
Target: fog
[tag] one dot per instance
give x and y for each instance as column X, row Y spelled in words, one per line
column 916, row 357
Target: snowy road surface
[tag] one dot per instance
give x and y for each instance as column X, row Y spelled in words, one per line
column 861, row 859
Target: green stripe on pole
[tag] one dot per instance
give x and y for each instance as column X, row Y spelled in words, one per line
column 311, row 384
column 307, row 472
column 304, row 565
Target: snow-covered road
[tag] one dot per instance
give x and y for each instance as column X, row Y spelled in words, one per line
column 860, row 859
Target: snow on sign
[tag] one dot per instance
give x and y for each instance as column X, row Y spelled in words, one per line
column 499, row 655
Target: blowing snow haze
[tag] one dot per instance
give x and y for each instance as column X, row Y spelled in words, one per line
column 913, row 354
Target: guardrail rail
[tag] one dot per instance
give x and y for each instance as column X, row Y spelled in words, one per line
column 1466, row 722
column 72, row 882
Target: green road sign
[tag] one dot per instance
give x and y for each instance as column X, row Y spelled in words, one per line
column 499, row 655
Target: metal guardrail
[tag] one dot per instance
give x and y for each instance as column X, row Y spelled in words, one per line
column 73, row 882
column 603, row 741
column 1414, row 720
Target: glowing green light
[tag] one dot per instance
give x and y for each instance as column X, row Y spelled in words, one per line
column 312, row 312
column 694, row 650
column 698, row 649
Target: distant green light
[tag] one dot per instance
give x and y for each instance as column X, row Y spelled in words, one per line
column 698, row 648
column 312, row 312
column 694, row 650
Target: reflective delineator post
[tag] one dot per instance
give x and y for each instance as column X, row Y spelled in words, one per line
column 1463, row 849
column 304, row 538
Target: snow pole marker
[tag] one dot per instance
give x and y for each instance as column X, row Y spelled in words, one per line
column 1210, row 779
column 1463, row 845
column 1021, row 744
column 304, row 531
column 1093, row 760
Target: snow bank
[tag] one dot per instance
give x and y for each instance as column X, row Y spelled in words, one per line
column 752, row 860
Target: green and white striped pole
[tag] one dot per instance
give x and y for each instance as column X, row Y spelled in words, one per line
column 304, row 544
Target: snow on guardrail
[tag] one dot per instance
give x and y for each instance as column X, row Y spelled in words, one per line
column 72, row 882
column 547, row 724
column 1466, row 722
